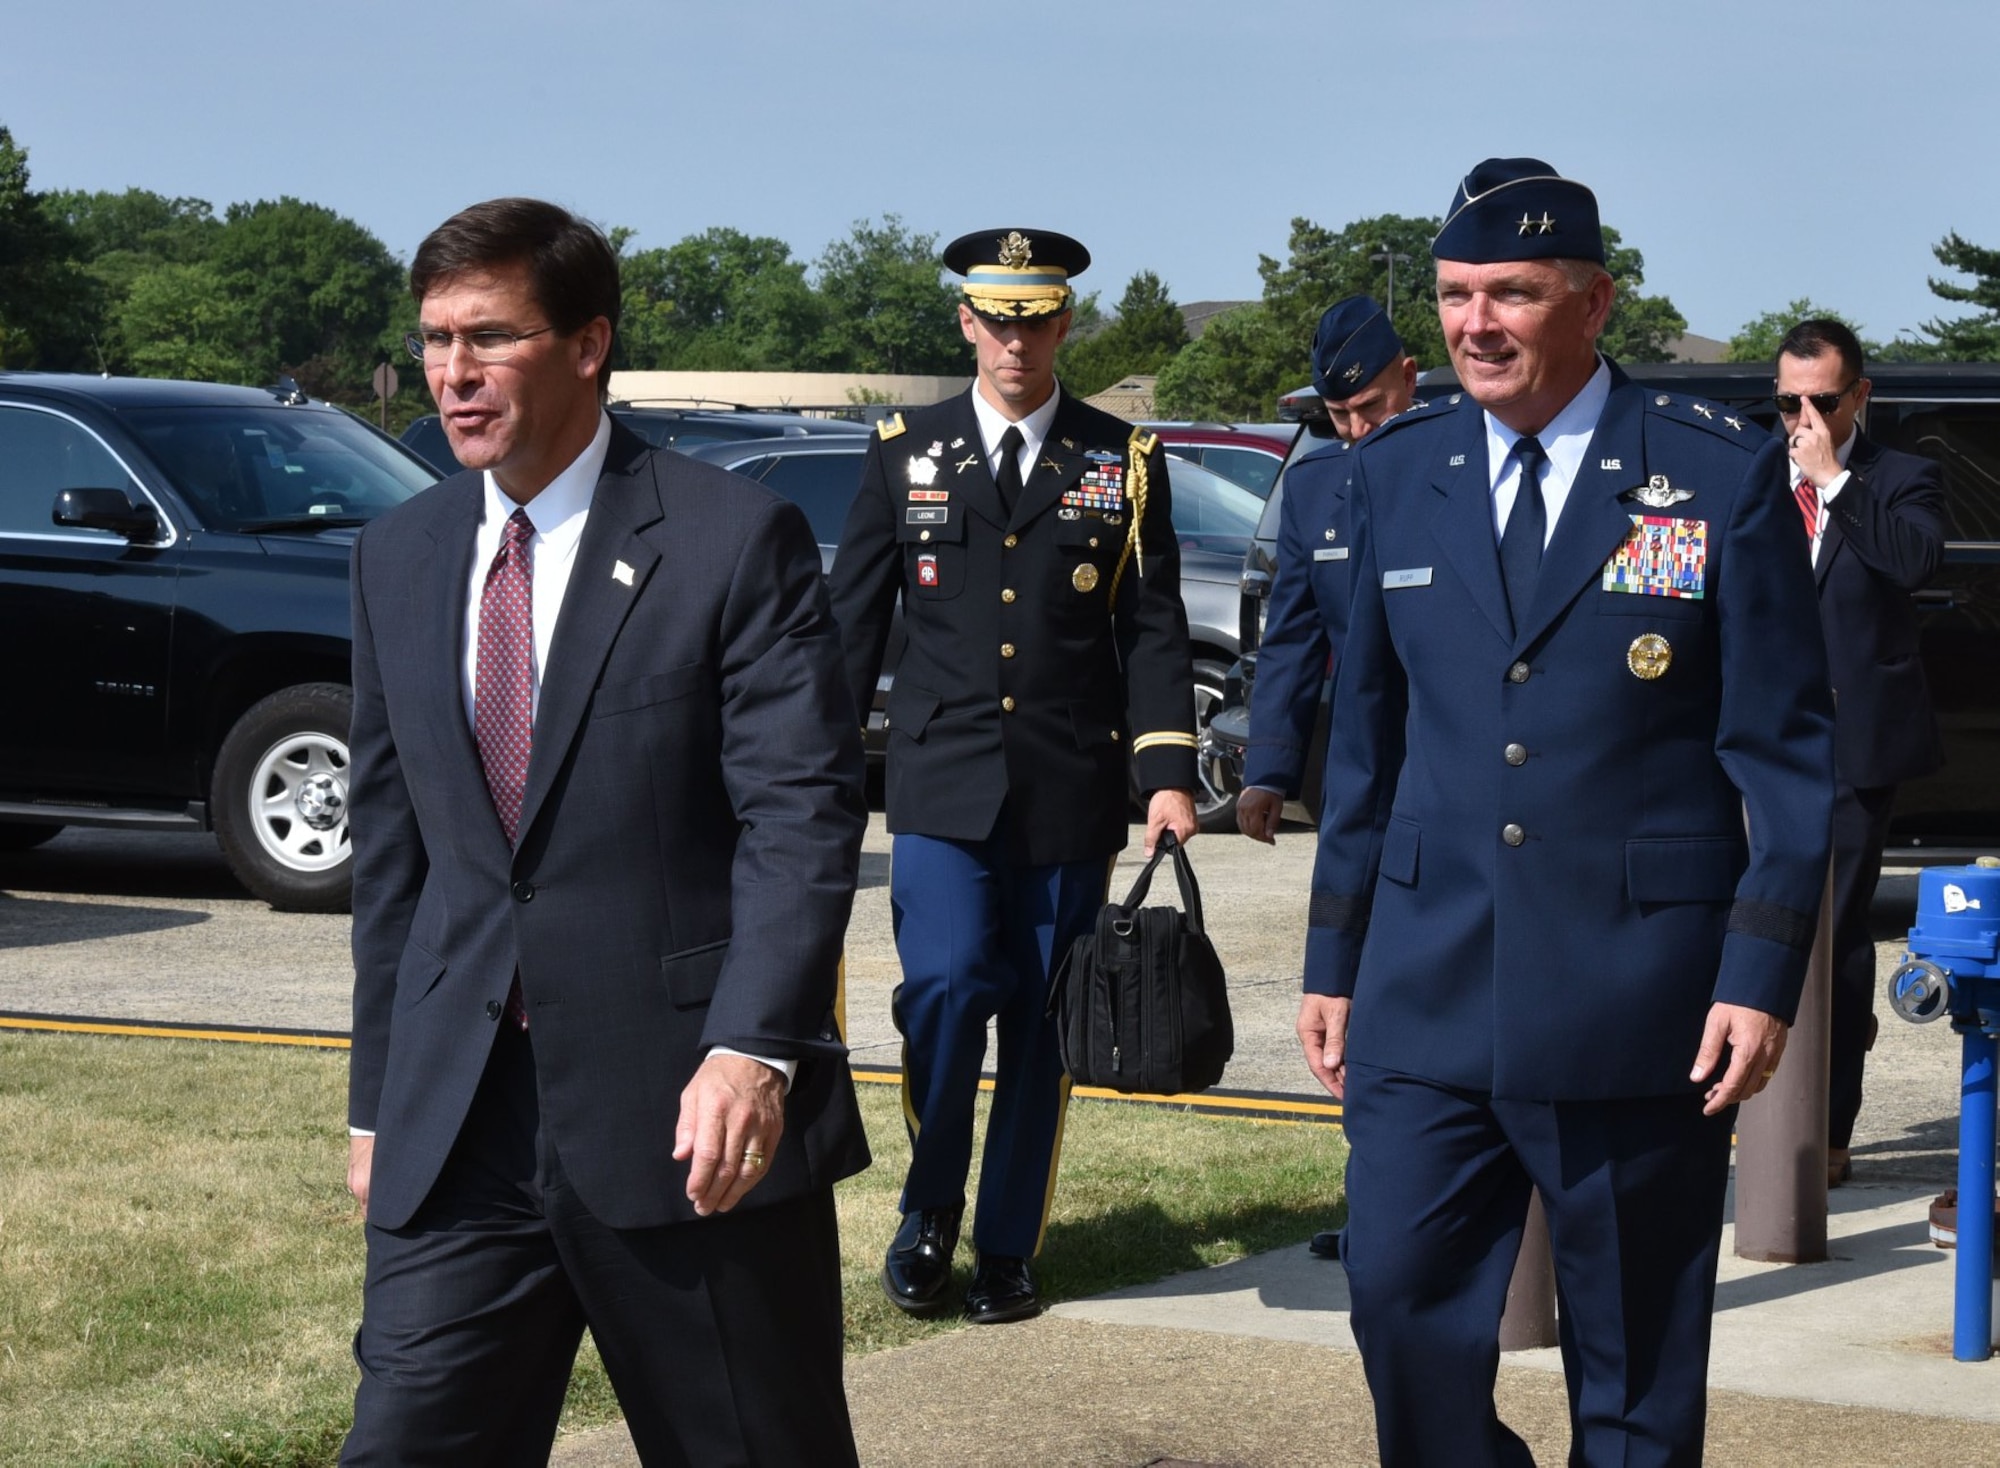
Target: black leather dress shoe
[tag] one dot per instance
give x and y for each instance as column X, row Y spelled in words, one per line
column 919, row 1263
column 1002, row 1289
column 1325, row 1245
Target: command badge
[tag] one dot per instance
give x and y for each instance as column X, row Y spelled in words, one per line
column 1084, row 577
column 1649, row 656
column 927, row 571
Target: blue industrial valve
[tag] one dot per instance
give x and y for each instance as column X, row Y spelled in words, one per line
column 1953, row 967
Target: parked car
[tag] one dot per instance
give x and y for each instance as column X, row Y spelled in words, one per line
column 1947, row 411
column 663, row 428
column 1213, row 517
column 173, row 585
column 1248, row 453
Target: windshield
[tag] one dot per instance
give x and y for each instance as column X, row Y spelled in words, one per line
column 240, row 467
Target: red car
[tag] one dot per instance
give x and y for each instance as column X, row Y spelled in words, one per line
column 1249, row 454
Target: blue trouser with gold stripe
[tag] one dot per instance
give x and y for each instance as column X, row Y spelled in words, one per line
column 979, row 936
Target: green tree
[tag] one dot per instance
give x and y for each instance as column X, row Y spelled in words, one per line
column 181, row 320
column 1233, row 372
column 719, row 301
column 1974, row 338
column 888, row 308
column 122, row 237
column 1641, row 328
column 1322, row 267
column 1143, row 337
column 47, row 303
column 1757, row 339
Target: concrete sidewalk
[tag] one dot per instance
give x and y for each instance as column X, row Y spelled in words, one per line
column 1252, row 1364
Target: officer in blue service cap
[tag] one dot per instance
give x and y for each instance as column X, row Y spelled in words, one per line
column 1542, row 953
column 1029, row 540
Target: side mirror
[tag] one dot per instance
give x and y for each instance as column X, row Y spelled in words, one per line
column 107, row 509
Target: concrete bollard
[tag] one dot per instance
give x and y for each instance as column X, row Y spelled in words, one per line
column 1781, row 1132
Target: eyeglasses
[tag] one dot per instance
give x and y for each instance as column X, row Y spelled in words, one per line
column 485, row 346
column 1823, row 402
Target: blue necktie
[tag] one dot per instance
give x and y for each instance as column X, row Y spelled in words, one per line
column 1527, row 528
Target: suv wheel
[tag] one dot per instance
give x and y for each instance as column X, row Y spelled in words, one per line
column 280, row 798
column 25, row 835
column 1215, row 797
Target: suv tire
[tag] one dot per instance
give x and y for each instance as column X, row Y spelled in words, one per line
column 279, row 797
column 1215, row 795
column 25, row 835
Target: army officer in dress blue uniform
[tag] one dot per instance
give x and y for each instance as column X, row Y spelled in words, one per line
column 1581, row 649
column 1031, row 539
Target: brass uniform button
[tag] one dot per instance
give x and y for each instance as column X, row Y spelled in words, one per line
column 1513, row 835
column 1649, row 656
column 1114, row 736
column 1093, row 542
column 1011, row 541
column 1516, row 754
column 923, row 535
column 1007, row 595
column 1006, row 649
column 1518, row 673
column 1084, row 577
column 1007, row 703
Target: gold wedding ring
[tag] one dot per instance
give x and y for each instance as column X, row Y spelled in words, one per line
column 753, row 1160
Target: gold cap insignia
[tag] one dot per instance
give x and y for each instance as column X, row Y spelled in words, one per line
column 1084, row 577
column 1015, row 250
column 1649, row 656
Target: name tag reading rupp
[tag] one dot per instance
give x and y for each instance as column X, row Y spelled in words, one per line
column 1398, row 580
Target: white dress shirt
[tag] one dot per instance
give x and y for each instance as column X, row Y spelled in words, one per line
column 993, row 425
column 1566, row 440
column 1831, row 492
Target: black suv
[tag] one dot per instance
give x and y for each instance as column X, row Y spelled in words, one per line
column 173, row 585
column 1946, row 411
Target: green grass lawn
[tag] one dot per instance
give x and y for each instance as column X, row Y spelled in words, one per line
column 180, row 1264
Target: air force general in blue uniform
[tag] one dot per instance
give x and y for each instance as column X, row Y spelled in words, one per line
column 1535, row 909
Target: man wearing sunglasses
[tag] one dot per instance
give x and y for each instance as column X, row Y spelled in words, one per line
column 1874, row 519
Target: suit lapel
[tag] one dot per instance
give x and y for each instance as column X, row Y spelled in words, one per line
column 1463, row 524
column 1056, row 468
column 595, row 604
column 1832, row 538
column 443, row 578
column 1594, row 520
column 971, row 481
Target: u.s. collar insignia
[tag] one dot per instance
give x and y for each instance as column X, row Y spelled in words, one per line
column 1657, row 494
column 922, row 470
column 958, row 443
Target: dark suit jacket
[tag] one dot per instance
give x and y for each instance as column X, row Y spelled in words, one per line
column 1564, row 882
column 1304, row 618
column 1884, row 539
column 1021, row 687
column 688, row 841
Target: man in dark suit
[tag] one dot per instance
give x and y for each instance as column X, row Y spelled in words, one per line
column 1031, row 540
column 1875, row 521
column 1580, row 646
column 1365, row 378
column 607, row 815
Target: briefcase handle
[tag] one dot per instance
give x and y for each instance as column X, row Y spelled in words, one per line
column 1168, row 845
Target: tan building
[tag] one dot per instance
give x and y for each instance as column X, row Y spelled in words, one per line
column 797, row 392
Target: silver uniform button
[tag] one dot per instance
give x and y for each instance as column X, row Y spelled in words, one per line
column 1513, row 835
column 1518, row 673
column 1516, row 754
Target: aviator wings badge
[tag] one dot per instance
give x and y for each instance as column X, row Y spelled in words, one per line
column 1657, row 494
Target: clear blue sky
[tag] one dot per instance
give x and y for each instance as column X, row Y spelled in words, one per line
column 1754, row 152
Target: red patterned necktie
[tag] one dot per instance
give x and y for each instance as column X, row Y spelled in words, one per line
column 1807, row 494
column 503, row 690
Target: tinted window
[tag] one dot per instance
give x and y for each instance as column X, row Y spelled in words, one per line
column 426, row 437
column 1966, row 441
column 1211, row 511
column 1251, row 468
column 822, row 485
column 42, row 454
column 239, row 466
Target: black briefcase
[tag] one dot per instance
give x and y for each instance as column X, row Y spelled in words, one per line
column 1140, row 1002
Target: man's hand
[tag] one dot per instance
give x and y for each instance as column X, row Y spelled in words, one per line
column 360, row 1167
column 1813, row 448
column 1323, row 1032
column 1258, row 812
column 1755, row 1039
column 1170, row 810
column 733, row 1106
